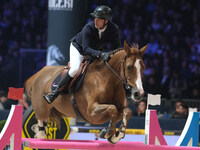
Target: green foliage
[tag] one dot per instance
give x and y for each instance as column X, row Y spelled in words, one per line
column 2, row 122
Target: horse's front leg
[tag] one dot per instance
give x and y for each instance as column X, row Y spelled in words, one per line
column 127, row 112
column 101, row 113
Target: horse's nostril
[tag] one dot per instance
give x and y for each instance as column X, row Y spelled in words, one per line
column 136, row 94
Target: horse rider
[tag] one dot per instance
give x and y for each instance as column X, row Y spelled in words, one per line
column 90, row 41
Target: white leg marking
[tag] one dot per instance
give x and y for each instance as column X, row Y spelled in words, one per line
column 40, row 123
column 40, row 134
column 121, row 134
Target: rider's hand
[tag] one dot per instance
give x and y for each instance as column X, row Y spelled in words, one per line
column 105, row 57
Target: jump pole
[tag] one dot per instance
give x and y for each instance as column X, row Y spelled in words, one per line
column 97, row 145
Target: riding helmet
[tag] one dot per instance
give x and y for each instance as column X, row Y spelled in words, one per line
column 102, row 12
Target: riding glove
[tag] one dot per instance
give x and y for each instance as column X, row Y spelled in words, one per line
column 105, row 57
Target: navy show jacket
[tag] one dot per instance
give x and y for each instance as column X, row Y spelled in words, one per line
column 88, row 43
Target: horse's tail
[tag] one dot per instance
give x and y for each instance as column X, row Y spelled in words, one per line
column 29, row 83
column 55, row 116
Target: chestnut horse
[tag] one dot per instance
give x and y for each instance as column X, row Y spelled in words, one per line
column 101, row 97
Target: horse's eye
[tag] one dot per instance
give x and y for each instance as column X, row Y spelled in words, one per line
column 129, row 67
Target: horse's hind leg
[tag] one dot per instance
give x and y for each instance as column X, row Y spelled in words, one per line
column 40, row 129
column 42, row 111
column 127, row 112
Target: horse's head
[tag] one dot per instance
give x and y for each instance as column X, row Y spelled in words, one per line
column 133, row 69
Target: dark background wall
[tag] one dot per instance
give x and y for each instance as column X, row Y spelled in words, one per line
column 64, row 23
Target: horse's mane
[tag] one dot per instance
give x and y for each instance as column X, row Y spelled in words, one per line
column 133, row 46
column 117, row 50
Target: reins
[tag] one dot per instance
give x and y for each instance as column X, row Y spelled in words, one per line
column 115, row 72
column 123, row 81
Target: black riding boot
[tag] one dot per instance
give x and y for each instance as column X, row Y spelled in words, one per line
column 65, row 81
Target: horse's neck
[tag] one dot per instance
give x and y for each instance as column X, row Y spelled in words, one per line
column 116, row 62
column 103, row 70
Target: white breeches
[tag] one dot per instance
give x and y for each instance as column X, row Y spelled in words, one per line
column 75, row 60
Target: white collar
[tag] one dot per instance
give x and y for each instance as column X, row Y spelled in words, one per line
column 102, row 30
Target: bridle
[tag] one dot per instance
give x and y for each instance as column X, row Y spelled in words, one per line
column 125, row 81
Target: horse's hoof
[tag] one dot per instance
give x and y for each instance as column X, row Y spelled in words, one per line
column 116, row 137
column 110, row 133
column 112, row 140
column 103, row 133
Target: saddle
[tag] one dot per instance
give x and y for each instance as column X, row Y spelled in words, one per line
column 78, row 79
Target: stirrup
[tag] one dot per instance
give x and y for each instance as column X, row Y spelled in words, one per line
column 50, row 97
column 47, row 99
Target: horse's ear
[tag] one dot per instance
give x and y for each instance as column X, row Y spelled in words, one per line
column 127, row 48
column 143, row 49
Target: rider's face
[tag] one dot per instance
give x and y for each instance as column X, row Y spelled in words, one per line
column 99, row 23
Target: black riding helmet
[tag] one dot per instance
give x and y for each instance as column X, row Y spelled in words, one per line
column 102, row 12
